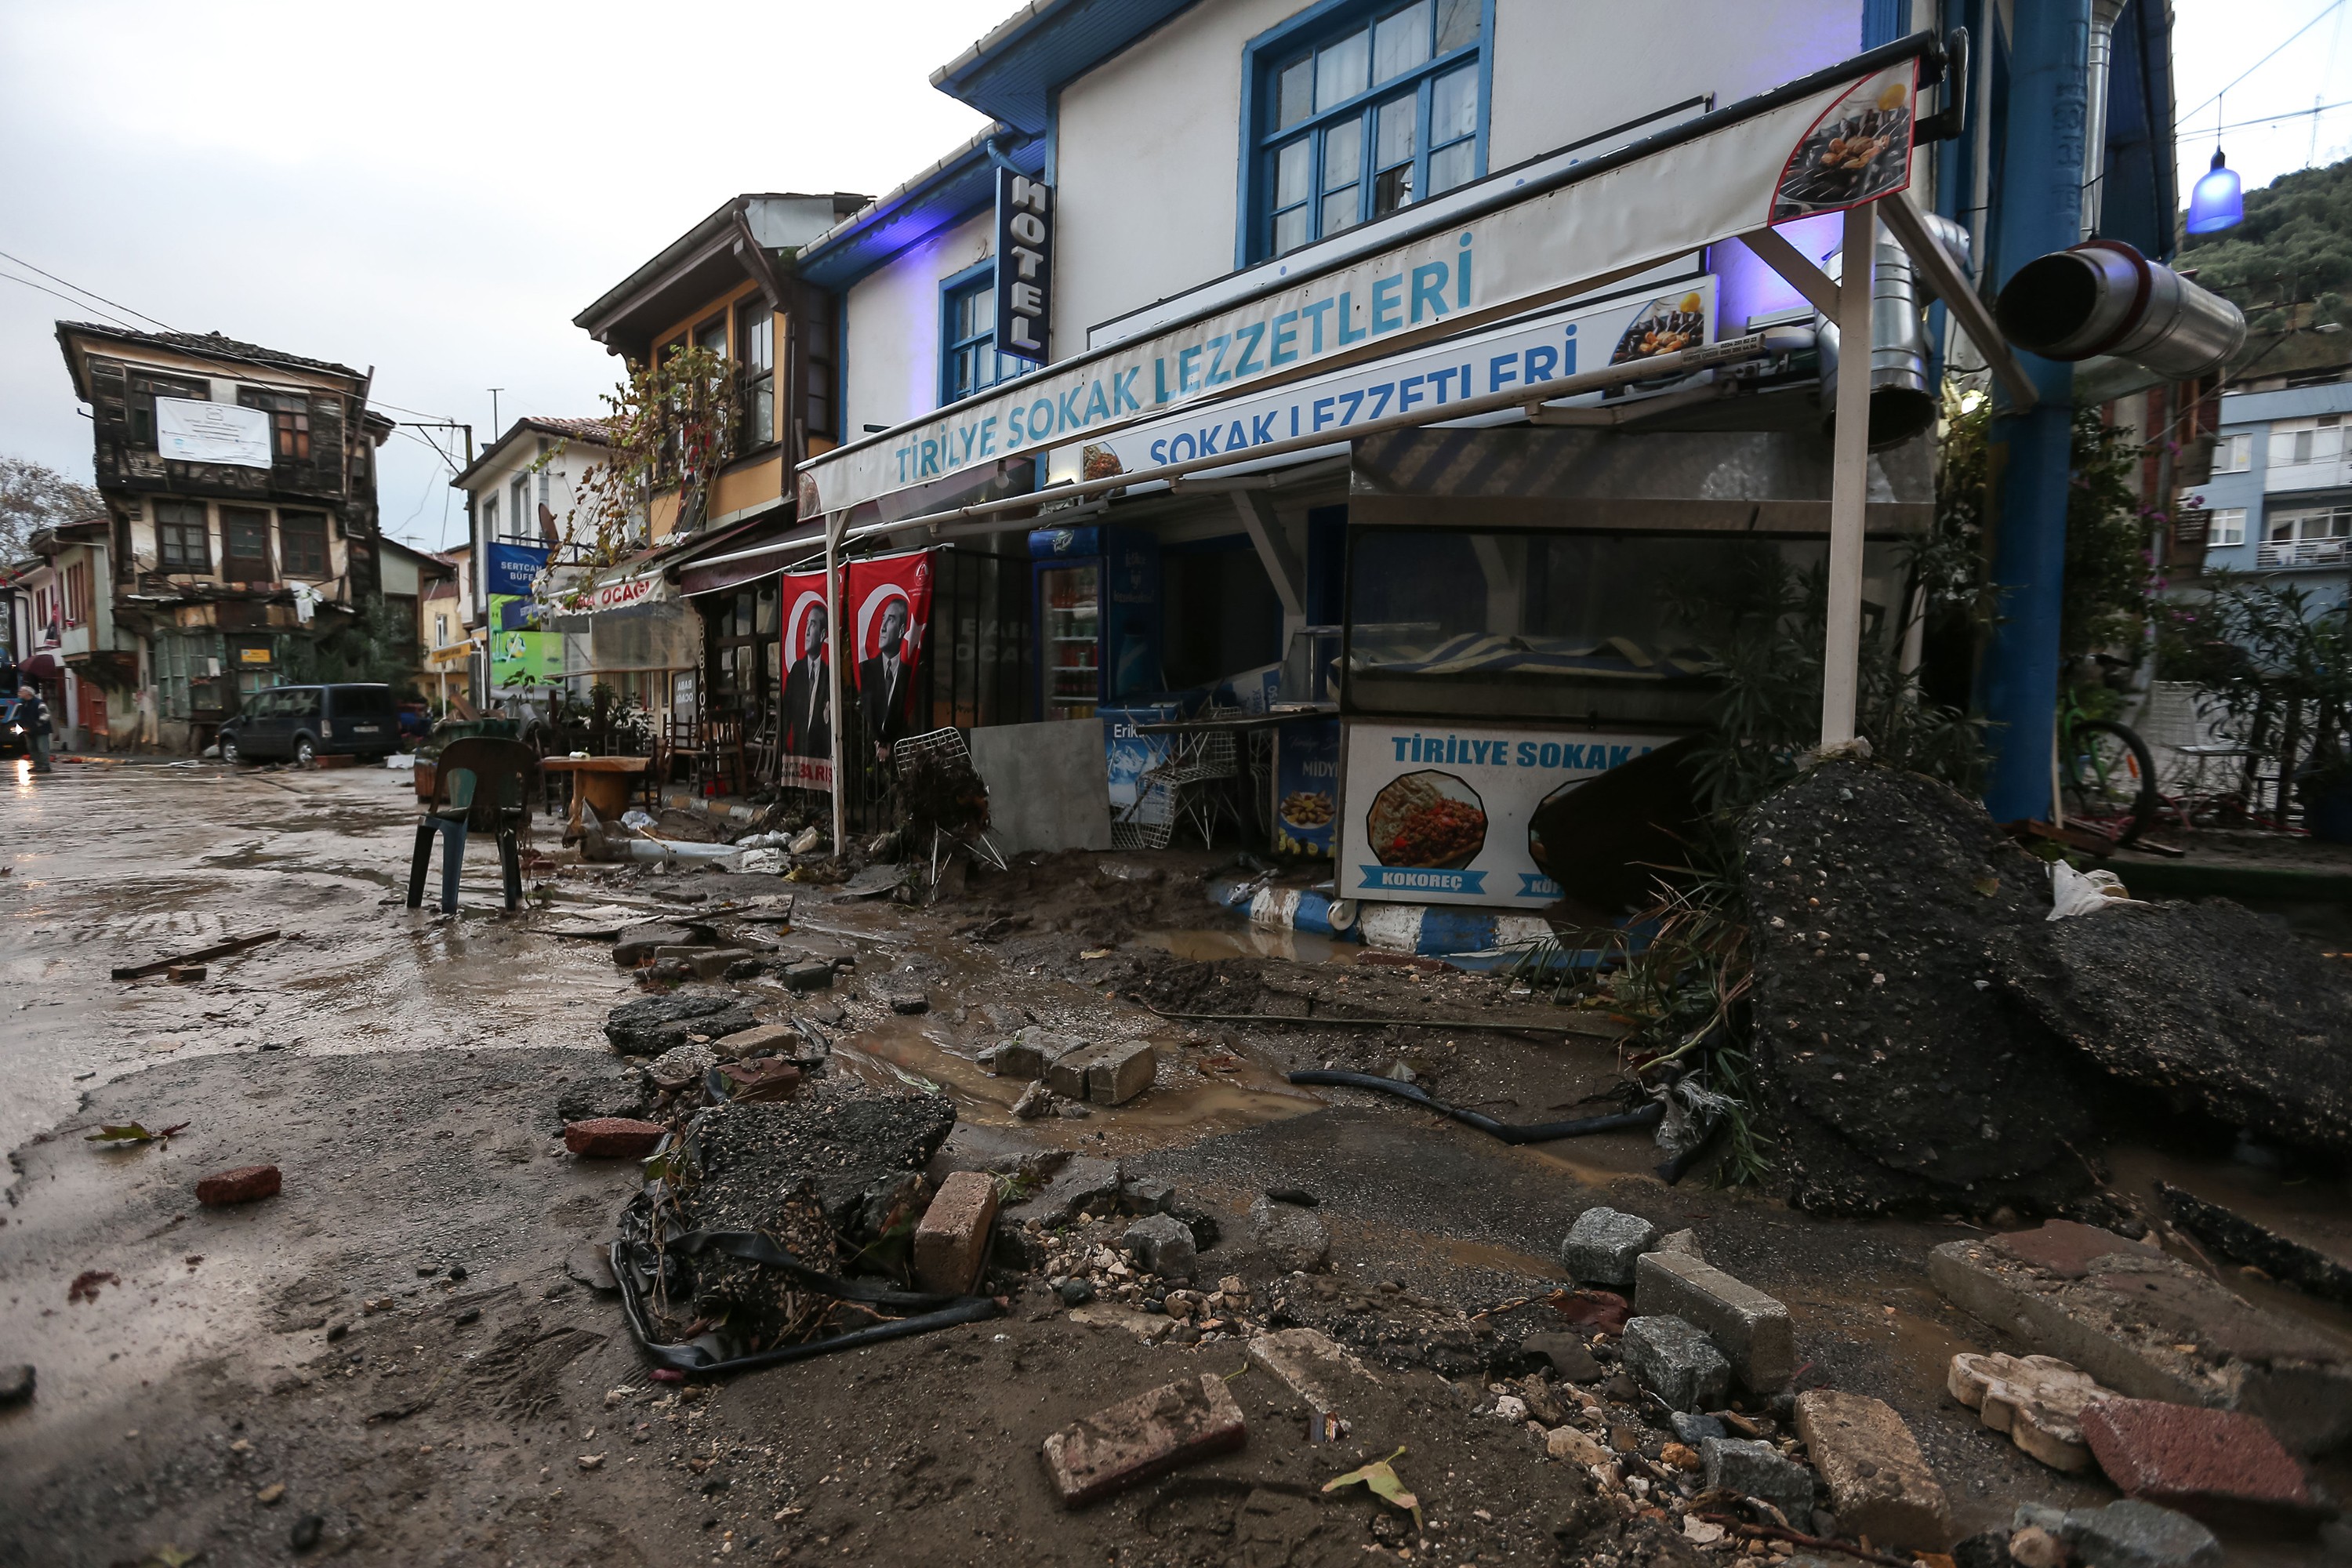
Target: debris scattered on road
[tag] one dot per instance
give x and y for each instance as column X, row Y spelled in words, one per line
column 234, row 944
column 132, row 1132
column 2038, row 1400
column 2220, row 1466
column 1648, row 1115
column 1379, row 1479
column 2245, row 1241
column 1879, row 1482
column 612, row 1138
column 246, row 1183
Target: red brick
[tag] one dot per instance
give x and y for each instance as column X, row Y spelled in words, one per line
column 951, row 1241
column 2222, row 1466
column 242, row 1185
column 1144, row 1436
column 612, row 1138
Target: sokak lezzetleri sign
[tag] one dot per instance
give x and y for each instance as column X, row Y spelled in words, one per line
column 1838, row 138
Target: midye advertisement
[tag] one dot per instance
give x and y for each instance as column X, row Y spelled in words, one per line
column 1441, row 813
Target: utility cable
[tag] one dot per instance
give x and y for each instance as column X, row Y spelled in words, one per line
column 2324, row 12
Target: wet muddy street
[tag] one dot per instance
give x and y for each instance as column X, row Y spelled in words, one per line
column 403, row 1358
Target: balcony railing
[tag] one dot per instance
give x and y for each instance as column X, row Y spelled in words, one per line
column 2286, row 556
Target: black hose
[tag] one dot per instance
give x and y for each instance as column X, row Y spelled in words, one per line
column 1532, row 1133
column 1673, row 1171
column 1334, row 1022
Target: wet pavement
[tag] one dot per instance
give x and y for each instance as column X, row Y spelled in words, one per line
column 401, row 1068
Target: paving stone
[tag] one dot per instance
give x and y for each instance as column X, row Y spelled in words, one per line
column 1602, row 1244
column 1144, row 1436
column 813, row 974
column 1755, row 1468
column 1162, row 1245
column 2038, row 1400
column 1750, row 1328
column 245, row 1185
column 2152, row 1328
column 762, row 1040
column 1879, row 1482
column 1117, row 1073
column 1082, row 1185
column 951, row 1239
column 1146, row 1194
column 1569, row 1354
column 1673, row 1360
column 2220, row 1466
column 1029, row 1053
column 1291, row 1236
column 2134, row 1534
column 1311, row 1366
column 612, row 1138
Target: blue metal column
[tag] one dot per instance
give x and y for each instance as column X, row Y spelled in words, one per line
column 2037, row 202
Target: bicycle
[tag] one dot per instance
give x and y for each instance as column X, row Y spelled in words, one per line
column 2107, row 774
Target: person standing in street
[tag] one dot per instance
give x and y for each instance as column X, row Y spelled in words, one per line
column 33, row 715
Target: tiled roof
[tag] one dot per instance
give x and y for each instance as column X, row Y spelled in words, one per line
column 208, row 344
column 577, row 429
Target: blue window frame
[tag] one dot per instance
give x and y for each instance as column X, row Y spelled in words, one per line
column 969, row 361
column 1360, row 107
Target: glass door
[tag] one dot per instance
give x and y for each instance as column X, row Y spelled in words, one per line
column 1070, row 602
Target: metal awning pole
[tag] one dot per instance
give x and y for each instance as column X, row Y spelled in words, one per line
column 832, row 524
column 1849, row 477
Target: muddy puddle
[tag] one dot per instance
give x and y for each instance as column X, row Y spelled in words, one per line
column 1243, row 940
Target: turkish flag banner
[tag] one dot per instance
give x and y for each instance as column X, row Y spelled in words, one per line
column 805, row 723
column 888, row 601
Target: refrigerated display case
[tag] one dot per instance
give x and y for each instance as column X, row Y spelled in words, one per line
column 1098, row 605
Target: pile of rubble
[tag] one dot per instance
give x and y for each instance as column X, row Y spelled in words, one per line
column 1927, row 1039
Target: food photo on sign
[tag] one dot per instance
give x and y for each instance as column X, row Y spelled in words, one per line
column 1859, row 150
column 806, row 730
column 888, row 600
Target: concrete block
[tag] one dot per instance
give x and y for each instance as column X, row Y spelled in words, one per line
column 1291, row 1236
column 2218, row 1466
column 2133, row 1535
column 612, row 1138
column 815, row 975
column 2152, row 1328
column 1144, row 1436
column 1046, row 785
column 1311, row 1366
column 1118, row 1071
column 2038, row 1400
column 1065, row 1075
column 1757, row 1469
column 1030, row 1054
column 951, row 1238
column 1162, row 1245
column 1602, row 1244
column 764, row 1040
column 1674, row 1361
column 1879, row 1482
column 1751, row 1328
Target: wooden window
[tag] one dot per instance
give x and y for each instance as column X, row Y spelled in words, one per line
column 244, row 544
column 755, row 354
column 181, row 541
column 293, row 435
column 77, row 578
column 302, row 538
column 146, row 389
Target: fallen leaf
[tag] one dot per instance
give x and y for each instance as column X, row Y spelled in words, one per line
column 1385, row 1484
column 132, row 1132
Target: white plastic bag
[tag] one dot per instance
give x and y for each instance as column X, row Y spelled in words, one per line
column 2073, row 893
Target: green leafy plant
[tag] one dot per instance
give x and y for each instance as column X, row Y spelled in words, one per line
column 673, row 424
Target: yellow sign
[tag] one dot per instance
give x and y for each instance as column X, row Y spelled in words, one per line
column 253, row 656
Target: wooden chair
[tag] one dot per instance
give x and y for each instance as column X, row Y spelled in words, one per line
column 681, row 736
column 722, row 753
column 763, row 752
column 499, row 775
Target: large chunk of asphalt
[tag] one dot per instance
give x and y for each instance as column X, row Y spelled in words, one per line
column 653, row 1024
column 1900, row 1074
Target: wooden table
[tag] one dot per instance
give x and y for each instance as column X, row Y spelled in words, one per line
column 605, row 782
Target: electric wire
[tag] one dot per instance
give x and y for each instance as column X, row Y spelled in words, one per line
column 2324, row 12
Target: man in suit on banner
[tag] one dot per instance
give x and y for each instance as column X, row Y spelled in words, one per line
column 808, row 693
column 884, row 682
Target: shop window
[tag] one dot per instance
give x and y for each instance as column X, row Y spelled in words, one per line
column 1570, row 627
column 182, row 543
column 1361, row 113
column 244, row 544
column 302, row 539
column 755, row 354
column 969, row 361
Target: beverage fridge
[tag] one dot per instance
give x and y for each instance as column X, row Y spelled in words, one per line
column 1097, row 592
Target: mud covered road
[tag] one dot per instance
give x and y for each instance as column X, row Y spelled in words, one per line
column 393, row 1362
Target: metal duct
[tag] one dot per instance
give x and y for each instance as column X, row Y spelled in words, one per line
column 2094, row 109
column 2103, row 297
column 1902, row 397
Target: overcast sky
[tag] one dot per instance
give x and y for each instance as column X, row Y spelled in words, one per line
column 436, row 189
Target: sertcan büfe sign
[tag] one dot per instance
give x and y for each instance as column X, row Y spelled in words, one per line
column 1024, row 265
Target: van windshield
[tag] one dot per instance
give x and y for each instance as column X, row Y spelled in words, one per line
column 352, row 701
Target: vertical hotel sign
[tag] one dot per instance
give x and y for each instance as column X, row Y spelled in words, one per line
column 1024, row 265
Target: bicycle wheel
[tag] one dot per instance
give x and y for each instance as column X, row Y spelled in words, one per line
column 2109, row 778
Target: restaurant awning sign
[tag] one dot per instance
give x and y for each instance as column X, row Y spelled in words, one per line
column 1832, row 141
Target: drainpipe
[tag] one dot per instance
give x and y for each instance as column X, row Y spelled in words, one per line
column 2100, row 56
column 2040, row 206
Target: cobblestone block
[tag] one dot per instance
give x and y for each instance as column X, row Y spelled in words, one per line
column 1674, row 1361
column 1756, row 1469
column 1751, row 1328
column 1602, row 1244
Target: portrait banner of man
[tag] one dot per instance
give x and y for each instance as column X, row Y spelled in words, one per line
column 888, row 600
column 806, row 732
